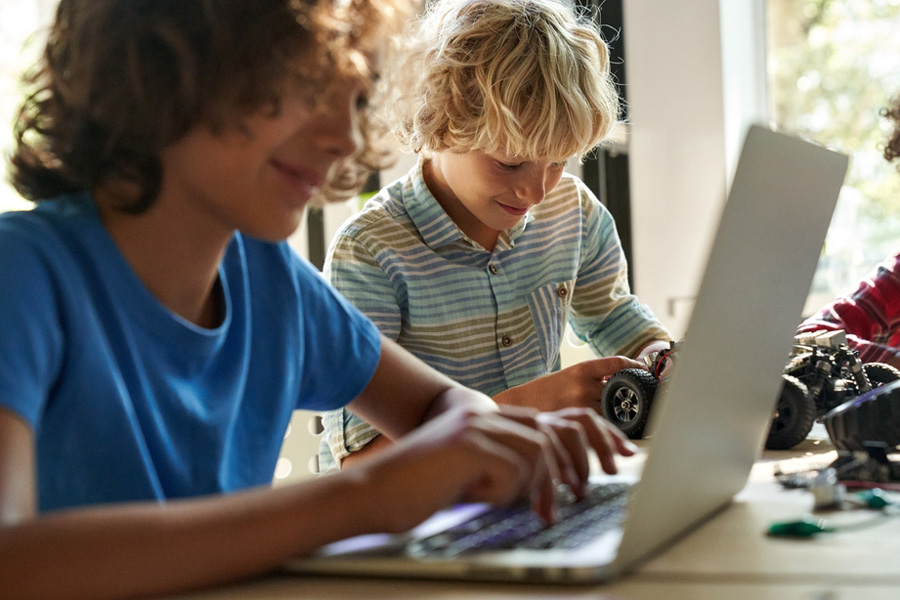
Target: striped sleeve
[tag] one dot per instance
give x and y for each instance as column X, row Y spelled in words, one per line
column 352, row 268
column 355, row 272
column 605, row 313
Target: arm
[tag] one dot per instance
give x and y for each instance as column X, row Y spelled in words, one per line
column 578, row 385
column 414, row 391
column 601, row 303
column 149, row 548
column 469, row 451
column 604, row 311
column 869, row 316
column 419, row 394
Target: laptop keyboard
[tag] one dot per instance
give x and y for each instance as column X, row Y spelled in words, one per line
column 518, row 527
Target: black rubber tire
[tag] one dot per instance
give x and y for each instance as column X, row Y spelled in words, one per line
column 880, row 373
column 795, row 413
column 626, row 401
column 870, row 417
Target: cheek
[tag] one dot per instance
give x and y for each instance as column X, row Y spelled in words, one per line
column 553, row 181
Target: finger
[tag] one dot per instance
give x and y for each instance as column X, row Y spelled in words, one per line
column 545, row 476
column 602, row 436
column 572, row 437
column 525, row 415
column 620, row 441
column 561, row 463
column 624, row 446
column 505, row 475
column 555, row 429
column 608, row 441
column 548, row 455
column 603, row 368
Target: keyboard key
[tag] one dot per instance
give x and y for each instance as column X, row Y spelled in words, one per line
column 517, row 526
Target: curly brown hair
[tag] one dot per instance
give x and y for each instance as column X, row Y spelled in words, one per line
column 892, row 148
column 121, row 80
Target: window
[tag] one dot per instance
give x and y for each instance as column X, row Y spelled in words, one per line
column 833, row 65
column 20, row 42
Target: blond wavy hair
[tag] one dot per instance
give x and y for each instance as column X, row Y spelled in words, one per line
column 529, row 78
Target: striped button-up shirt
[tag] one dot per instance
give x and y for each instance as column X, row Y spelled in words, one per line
column 489, row 320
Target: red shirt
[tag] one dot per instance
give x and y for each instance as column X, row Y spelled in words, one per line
column 870, row 316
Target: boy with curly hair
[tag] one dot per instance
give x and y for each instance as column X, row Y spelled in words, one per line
column 158, row 332
column 476, row 259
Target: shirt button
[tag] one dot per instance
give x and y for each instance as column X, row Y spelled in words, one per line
column 506, row 340
column 493, row 269
column 562, row 292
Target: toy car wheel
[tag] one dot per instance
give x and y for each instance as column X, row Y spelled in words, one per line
column 870, row 417
column 795, row 413
column 880, row 373
column 626, row 400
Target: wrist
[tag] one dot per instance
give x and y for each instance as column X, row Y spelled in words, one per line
column 459, row 396
column 356, row 502
column 651, row 347
column 514, row 396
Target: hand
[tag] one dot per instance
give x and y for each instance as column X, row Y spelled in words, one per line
column 580, row 385
column 486, row 456
column 460, row 455
column 573, row 433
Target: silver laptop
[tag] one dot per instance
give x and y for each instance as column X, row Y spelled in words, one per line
column 713, row 413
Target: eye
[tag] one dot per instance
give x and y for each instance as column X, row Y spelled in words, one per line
column 509, row 166
column 558, row 165
column 362, row 102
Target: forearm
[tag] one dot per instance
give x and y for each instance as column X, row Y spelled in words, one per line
column 580, row 385
column 373, row 447
column 153, row 549
column 459, row 396
column 405, row 392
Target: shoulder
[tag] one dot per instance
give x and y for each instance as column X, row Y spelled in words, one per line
column 571, row 195
column 384, row 223
column 892, row 264
column 50, row 237
column 282, row 280
column 273, row 266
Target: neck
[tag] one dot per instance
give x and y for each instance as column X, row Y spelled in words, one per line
column 175, row 259
column 465, row 220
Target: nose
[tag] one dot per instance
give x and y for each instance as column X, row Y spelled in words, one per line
column 339, row 129
column 532, row 186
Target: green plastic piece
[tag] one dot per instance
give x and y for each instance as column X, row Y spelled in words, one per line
column 803, row 528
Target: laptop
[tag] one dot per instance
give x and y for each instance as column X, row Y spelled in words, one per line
column 712, row 416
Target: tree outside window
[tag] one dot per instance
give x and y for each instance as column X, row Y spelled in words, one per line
column 833, row 65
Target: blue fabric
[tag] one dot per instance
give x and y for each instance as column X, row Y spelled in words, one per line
column 129, row 401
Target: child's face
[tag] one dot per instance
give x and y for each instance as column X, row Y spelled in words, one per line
column 485, row 193
column 258, row 178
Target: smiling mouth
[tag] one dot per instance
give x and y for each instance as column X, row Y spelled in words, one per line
column 513, row 210
column 302, row 180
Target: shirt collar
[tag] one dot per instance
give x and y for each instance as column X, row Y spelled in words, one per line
column 433, row 222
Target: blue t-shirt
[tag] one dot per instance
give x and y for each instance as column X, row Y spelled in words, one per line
column 127, row 400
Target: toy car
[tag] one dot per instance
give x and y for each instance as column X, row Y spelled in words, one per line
column 628, row 394
column 822, row 373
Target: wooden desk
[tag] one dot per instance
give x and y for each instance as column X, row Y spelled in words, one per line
column 729, row 557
